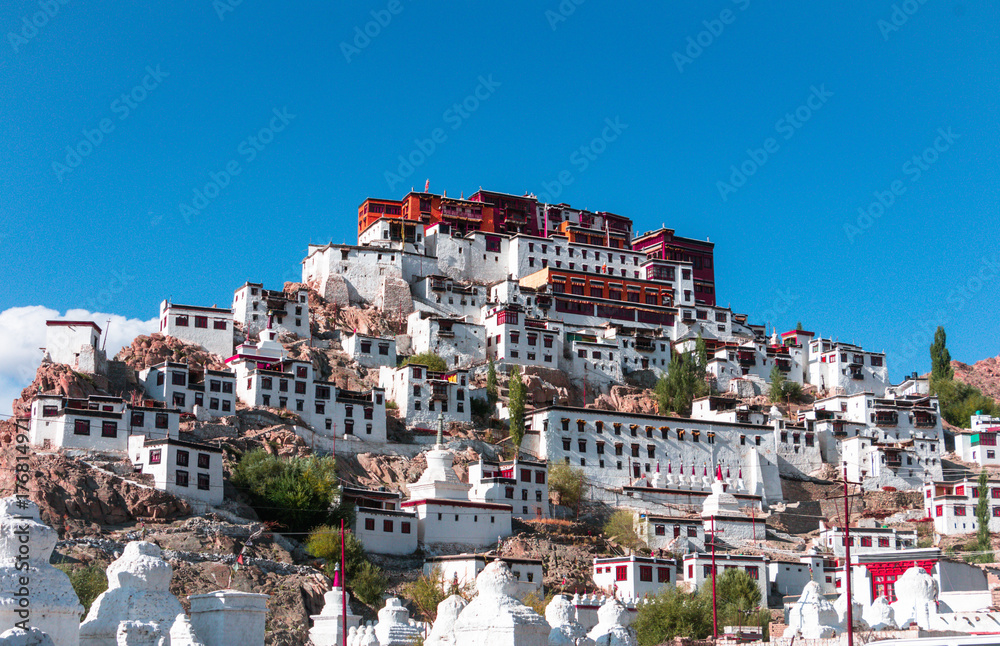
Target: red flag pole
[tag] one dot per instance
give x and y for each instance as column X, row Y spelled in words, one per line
column 715, row 616
column 343, row 580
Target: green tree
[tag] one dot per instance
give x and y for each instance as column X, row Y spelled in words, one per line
column 777, row 379
column 621, row 527
column 426, row 593
column 492, row 389
column 701, row 353
column 798, row 327
column 432, row 361
column 684, row 381
column 673, row 613
column 369, row 584
column 568, row 482
column 940, row 357
column 299, row 492
column 88, row 581
column 363, row 579
column 738, row 599
column 959, row 401
column 516, row 406
column 983, row 542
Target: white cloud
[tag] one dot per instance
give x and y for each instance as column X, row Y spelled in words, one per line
column 22, row 337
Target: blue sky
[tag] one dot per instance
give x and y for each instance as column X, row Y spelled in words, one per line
column 826, row 103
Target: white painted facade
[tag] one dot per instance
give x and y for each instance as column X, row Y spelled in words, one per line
column 461, row 570
column 863, row 540
column 422, row 394
column 675, row 534
column 952, row 505
column 459, row 342
column 727, row 409
column 513, row 338
column 187, row 469
column 445, row 296
column 289, row 313
column 606, row 443
column 979, row 444
column 349, row 274
column 265, row 377
column 209, row 327
column 394, row 233
column 370, row 351
column 478, row 257
column 522, row 484
column 97, row 423
column 446, row 514
column 633, row 577
column 846, row 368
column 76, row 344
column 176, row 385
column 788, row 578
column 698, row 569
column 379, row 523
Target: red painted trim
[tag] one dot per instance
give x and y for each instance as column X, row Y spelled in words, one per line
column 72, row 323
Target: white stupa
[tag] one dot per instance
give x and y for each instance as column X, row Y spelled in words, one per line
column 719, row 502
column 439, row 481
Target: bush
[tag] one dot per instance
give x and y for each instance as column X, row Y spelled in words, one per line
column 298, row 493
column 673, row 613
column 621, row 527
column 391, row 405
column 568, row 482
column 433, row 361
column 369, row 584
column 481, row 408
column 324, row 543
column 89, row 581
column 426, row 593
column 538, row 603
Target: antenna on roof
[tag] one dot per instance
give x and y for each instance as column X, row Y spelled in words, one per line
column 107, row 329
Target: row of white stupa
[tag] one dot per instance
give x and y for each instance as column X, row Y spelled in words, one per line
column 813, row 616
column 38, row 606
column 692, row 481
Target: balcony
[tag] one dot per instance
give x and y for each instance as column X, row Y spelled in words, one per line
column 438, row 284
column 747, row 359
column 886, row 418
column 446, row 334
column 856, row 372
column 925, row 420
column 644, row 344
column 439, row 392
column 783, row 365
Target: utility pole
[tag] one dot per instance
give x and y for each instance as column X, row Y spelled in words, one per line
column 847, row 560
column 715, row 605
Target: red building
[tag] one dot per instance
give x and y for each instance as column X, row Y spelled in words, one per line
column 511, row 213
column 663, row 244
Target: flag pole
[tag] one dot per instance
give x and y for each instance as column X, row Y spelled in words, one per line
column 343, row 580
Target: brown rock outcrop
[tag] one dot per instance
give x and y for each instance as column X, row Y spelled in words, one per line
column 626, row 399
column 984, row 375
column 55, row 379
column 146, row 351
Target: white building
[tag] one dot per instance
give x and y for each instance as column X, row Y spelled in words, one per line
column 728, row 409
column 370, row 351
column 422, row 394
column 952, row 505
column 182, row 388
column 266, row 377
column 97, row 423
column 522, row 484
column 446, row 513
column 698, row 569
column 513, row 338
column 460, row 571
column 459, row 342
column 615, row 448
column 252, row 305
column 379, row 523
column 187, row 469
column 209, row 327
column 353, row 275
column 394, row 233
column 863, row 539
column 634, row 577
column 445, row 296
column 789, row 577
column 979, row 443
column 76, row 344
column 846, row 368
column 677, row 534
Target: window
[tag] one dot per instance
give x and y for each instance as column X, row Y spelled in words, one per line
column 692, row 532
column 753, row 571
column 387, row 526
column 181, row 321
column 539, row 477
column 646, row 573
column 182, row 458
column 370, row 524
column 181, row 478
column 404, row 527
column 155, row 455
column 621, row 573
column 866, row 541
column 883, row 542
column 201, row 321
column 219, row 324
column 204, row 459
column 178, row 378
column 662, row 575
column 81, row 427
column 960, row 510
column 204, row 482
column 660, row 530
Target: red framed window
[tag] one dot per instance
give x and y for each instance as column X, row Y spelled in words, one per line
column 370, row 524
column 621, row 573
column 662, row 575
column 646, row 573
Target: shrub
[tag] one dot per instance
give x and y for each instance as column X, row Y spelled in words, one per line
column 433, row 361
column 369, row 584
column 391, row 405
column 298, row 493
column 426, row 593
column 568, row 482
column 481, row 408
column 324, row 543
column 89, row 581
column 538, row 603
column 673, row 613
column 621, row 526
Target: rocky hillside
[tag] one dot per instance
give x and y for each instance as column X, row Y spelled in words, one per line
column 984, row 375
column 146, row 351
column 56, row 379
